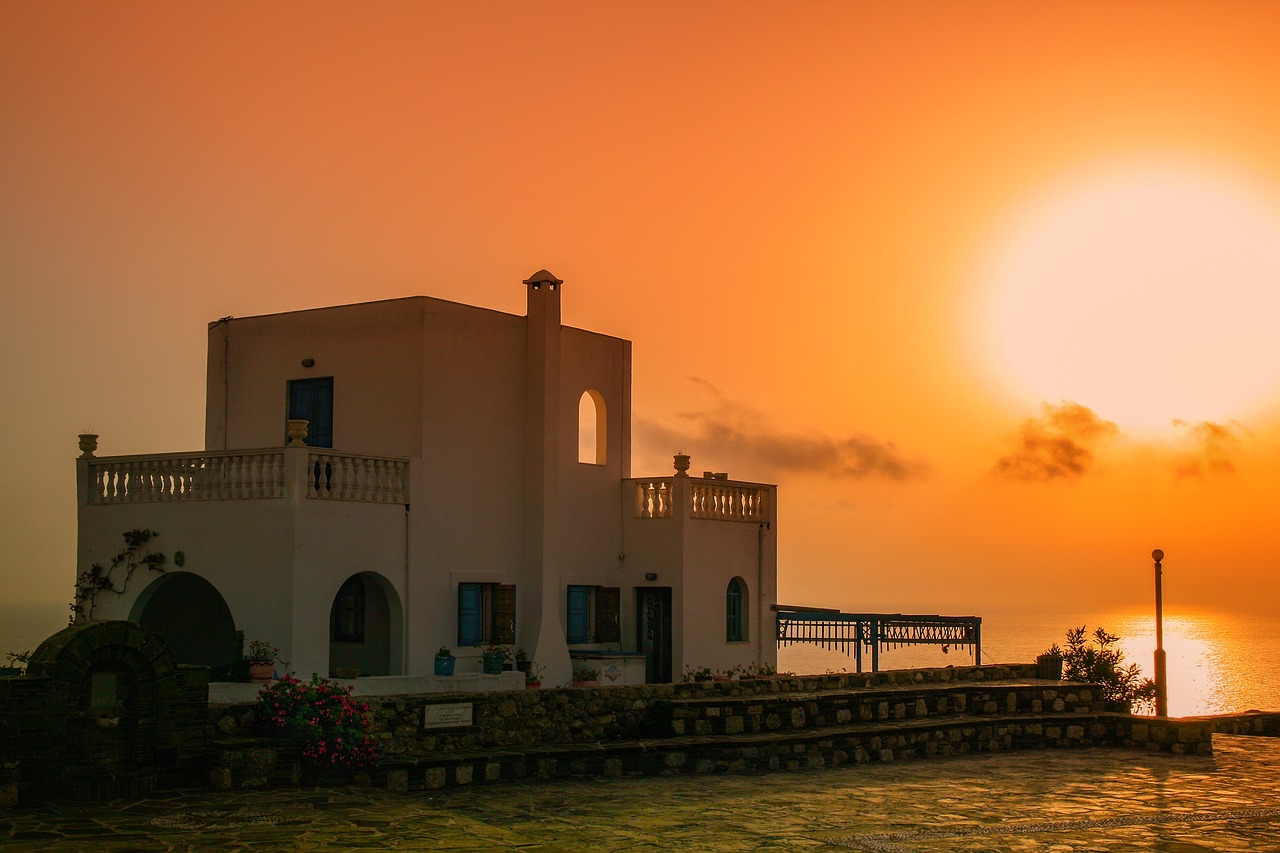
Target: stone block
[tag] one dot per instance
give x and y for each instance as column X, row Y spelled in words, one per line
column 797, row 718
column 733, row 725
column 398, row 781
column 882, row 711
column 922, row 708
column 220, row 778
column 546, row 769
column 885, row 755
column 463, row 774
column 1075, row 732
column 434, row 779
column 899, row 710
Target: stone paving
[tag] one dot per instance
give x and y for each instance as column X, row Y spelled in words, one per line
column 1083, row 800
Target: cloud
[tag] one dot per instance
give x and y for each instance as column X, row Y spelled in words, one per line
column 1058, row 445
column 1216, row 445
column 734, row 430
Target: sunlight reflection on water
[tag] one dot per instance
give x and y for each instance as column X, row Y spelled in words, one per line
column 1213, row 659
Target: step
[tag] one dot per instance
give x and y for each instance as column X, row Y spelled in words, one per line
column 725, row 714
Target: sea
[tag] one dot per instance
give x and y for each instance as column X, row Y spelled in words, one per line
column 1216, row 661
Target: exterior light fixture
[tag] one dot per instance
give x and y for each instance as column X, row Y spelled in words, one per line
column 1162, row 683
column 651, row 576
column 308, row 362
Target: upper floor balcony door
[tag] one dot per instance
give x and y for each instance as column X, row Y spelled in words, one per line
column 312, row 400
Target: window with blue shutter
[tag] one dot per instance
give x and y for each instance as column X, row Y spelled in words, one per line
column 579, row 612
column 592, row 614
column 486, row 614
column 470, row 613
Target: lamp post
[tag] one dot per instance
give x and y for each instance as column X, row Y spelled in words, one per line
column 1162, row 684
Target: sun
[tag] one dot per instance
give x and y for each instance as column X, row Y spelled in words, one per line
column 1147, row 293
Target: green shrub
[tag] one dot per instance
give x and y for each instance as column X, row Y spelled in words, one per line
column 1101, row 661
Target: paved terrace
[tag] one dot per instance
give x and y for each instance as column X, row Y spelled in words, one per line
column 1043, row 800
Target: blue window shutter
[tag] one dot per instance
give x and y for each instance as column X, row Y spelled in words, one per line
column 470, row 612
column 579, row 612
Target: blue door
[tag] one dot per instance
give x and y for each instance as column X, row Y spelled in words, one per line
column 312, row 399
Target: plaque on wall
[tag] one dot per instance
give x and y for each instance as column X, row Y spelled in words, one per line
column 446, row 716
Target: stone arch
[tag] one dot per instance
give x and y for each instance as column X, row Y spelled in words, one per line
column 593, row 432
column 366, row 626
column 128, row 711
column 192, row 617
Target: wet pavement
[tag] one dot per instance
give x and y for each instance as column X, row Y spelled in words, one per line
column 1083, row 800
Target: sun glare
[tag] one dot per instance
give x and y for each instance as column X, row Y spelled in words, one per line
column 1147, row 294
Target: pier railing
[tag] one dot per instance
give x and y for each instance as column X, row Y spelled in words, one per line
column 854, row 633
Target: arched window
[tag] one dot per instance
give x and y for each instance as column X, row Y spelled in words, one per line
column 592, row 435
column 347, row 614
column 735, row 611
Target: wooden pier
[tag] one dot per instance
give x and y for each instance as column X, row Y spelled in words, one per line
column 854, row 633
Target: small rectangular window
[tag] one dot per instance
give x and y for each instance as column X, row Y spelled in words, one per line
column 592, row 614
column 486, row 614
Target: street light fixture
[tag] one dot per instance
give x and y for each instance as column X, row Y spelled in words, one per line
column 1162, row 684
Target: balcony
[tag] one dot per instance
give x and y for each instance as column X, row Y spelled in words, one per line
column 707, row 498
column 275, row 473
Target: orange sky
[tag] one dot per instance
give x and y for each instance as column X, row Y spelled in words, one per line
column 791, row 210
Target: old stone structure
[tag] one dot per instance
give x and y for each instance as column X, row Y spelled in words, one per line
column 103, row 711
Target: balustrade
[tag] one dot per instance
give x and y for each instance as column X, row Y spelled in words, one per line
column 244, row 475
column 709, row 499
column 355, row 478
column 653, row 499
column 187, row 477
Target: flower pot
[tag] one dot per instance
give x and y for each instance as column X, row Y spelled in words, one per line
column 493, row 662
column 444, row 666
column 1050, row 667
column 532, row 685
column 260, row 673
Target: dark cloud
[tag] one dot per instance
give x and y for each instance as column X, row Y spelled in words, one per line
column 1216, row 445
column 1058, row 445
column 731, row 430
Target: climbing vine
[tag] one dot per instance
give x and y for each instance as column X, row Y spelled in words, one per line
column 96, row 579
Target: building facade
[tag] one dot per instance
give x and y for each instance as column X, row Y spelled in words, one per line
column 464, row 480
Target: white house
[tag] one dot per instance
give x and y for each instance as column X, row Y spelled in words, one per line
column 465, row 480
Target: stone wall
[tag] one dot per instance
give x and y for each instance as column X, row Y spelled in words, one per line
column 587, row 715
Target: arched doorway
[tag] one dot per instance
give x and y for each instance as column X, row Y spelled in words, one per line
column 193, row 619
column 366, row 627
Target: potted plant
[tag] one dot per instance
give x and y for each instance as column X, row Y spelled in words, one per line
column 586, row 677
column 494, row 658
column 262, row 658
column 522, row 661
column 533, row 675
column 445, row 661
column 701, row 673
column 1050, row 663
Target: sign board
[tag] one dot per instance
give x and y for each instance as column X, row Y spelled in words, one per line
column 446, row 716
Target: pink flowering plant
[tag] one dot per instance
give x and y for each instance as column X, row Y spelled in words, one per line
column 333, row 729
